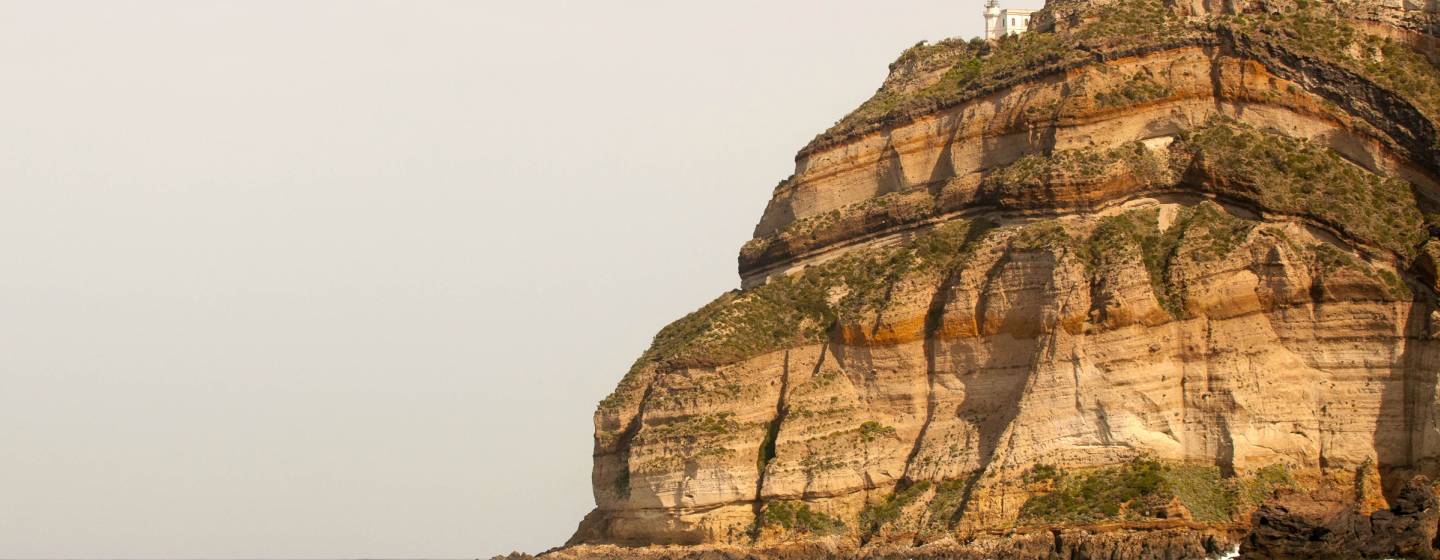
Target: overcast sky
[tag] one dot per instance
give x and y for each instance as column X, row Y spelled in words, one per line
column 346, row 278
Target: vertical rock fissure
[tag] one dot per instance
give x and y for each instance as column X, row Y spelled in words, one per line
column 1221, row 397
column 934, row 324
column 1217, row 81
column 934, row 320
column 944, row 168
column 988, row 449
column 766, row 453
column 622, row 443
column 890, row 170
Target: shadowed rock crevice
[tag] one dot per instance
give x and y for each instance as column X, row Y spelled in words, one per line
column 890, row 172
column 933, row 335
column 1405, row 451
column 772, row 433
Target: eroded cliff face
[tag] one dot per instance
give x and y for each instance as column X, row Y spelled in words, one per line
column 1136, row 270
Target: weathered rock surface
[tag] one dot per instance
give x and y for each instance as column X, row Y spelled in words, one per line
column 1058, row 544
column 1323, row 525
column 1097, row 291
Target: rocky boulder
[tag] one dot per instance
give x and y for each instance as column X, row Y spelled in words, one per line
column 1323, row 525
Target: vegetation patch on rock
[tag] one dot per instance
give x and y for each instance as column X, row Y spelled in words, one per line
column 794, row 309
column 886, row 511
column 1147, row 489
column 1297, row 177
column 1321, row 30
column 1329, row 260
column 1040, row 171
column 1139, row 88
column 872, row 430
column 1131, row 491
column 1045, row 235
column 1309, row 28
column 798, row 517
column 946, row 505
column 977, row 67
column 1205, row 231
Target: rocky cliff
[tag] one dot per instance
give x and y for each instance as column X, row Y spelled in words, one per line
column 1110, row 284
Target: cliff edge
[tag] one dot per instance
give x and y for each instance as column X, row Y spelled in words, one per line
column 1109, row 286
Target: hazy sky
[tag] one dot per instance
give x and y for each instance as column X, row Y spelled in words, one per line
column 326, row 279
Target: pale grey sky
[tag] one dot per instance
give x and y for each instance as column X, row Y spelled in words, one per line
column 345, row 278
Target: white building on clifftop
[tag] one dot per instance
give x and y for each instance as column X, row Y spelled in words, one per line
column 1000, row 22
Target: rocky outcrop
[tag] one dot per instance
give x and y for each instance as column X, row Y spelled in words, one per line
column 1323, row 525
column 1096, row 291
column 1151, row 543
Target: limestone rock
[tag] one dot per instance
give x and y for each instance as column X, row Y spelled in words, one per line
column 1096, row 291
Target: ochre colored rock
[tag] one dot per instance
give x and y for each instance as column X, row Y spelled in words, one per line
column 1097, row 291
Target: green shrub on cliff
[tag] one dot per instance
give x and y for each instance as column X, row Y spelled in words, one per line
column 789, row 310
column 1330, row 259
column 1261, row 484
column 1097, row 495
column 976, row 67
column 1041, row 472
column 1041, row 171
column 866, row 278
column 798, row 308
column 948, row 244
column 1142, row 488
column 1118, row 236
column 1401, row 69
column 1312, row 29
column 1038, row 170
column 1138, row 89
column 1211, row 233
column 1317, row 29
column 1298, row 177
column 684, row 456
column 690, row 440
column 813, row 465
column 1395, row 285
column 945, row 507
column 701, row 426
column 1202, row 489
column 872, row 430
column 1044, row 235
column 835, row 225
column 797, row 516
column 884, row 512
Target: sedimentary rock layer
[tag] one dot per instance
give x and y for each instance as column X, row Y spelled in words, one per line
column 1127, row 275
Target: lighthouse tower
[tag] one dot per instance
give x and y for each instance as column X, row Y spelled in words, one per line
column 1000, row 22
column 992, row 21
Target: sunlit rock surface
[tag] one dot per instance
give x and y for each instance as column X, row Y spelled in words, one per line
column 1101, row 289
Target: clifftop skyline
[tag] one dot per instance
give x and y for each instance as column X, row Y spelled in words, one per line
column 1153, row 279
column 345, row 279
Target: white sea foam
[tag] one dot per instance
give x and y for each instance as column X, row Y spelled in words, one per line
column 1232, row 555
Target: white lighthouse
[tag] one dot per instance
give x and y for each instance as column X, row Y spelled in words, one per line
column 992, row 20
column 1000, row 22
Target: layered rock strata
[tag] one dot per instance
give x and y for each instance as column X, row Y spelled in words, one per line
column 1127, row 276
